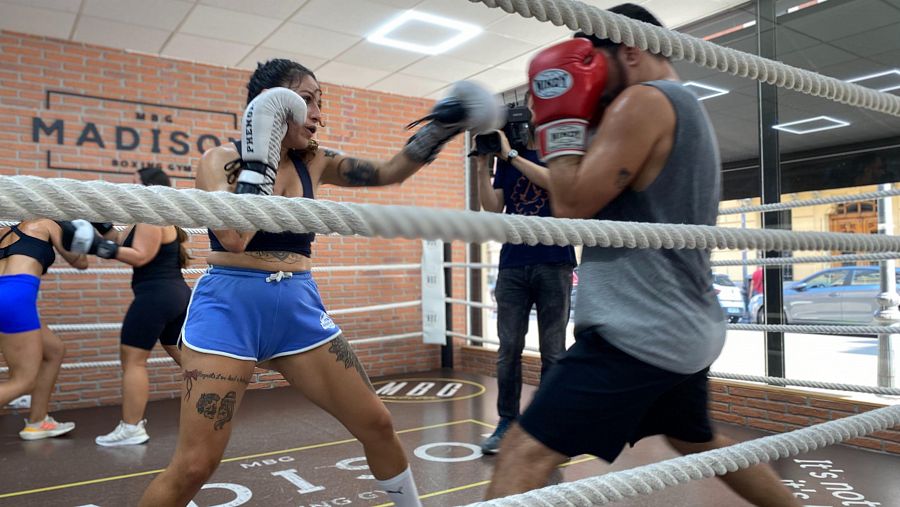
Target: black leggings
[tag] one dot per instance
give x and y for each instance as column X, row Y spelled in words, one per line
column 157, row 313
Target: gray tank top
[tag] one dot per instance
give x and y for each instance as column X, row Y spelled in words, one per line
column 659, row 305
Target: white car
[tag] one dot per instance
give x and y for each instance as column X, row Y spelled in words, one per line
column 730, row 297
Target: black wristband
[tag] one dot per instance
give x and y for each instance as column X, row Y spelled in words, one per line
column 102, row 227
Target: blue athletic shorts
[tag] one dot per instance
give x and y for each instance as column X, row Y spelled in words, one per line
column 18, row 303
column 256, row 315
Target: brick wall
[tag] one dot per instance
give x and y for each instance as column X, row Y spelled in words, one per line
column 79, row 111
column 771, row 409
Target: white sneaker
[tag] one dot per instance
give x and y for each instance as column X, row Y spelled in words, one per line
column 47, row 428
column 124, row 434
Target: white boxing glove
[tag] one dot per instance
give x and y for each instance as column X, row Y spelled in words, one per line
column 264, row 127
column 468, row 106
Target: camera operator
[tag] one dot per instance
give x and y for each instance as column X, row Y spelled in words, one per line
column 538, row 275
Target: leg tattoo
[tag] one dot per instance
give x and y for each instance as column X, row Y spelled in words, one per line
column 207, row 405
column 343, row 353
column 226, row 410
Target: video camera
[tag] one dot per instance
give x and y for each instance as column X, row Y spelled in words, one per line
column 517, row 130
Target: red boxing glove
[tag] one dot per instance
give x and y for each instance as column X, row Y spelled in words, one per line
column 567, row 81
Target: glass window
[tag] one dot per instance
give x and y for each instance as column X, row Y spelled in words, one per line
column 868, row 277
column 723, row 280
column 827, row 279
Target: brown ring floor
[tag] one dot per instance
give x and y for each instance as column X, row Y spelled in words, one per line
column 282, row 445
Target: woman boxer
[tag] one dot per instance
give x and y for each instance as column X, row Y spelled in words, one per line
column 32, row 352
column 157, row 312
column 258, row 302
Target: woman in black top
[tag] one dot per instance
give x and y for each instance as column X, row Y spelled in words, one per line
column 157, row 312
column 32, row 352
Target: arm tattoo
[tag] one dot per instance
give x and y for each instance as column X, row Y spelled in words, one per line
column 343, row 353
column 277, row 256
column 622, row 178
column 329, row 153
column 358, row 173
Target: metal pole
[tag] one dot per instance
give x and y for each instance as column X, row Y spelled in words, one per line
column 888, row 314
column 770, row 174
column 473, row 276
column 447, row 348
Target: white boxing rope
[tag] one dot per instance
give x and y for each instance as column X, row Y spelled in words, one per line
column 200, row 271
column 647, row 479
column 784, row 261
column 60, row 199
column 479, row 339
column 168, row 360
column 679, row 46
column 115, row 326
column 815, row 384
column 816, row 329
column 375, row 308
column 835, row 199
column 473, row 304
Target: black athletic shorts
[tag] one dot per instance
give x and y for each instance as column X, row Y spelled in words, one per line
column 156, row 313
column 598, row 398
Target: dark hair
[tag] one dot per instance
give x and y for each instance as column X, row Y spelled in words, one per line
column 154, row 176
column 274, row 73
column 630, row 10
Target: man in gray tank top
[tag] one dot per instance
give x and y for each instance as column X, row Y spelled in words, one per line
column 647, row 322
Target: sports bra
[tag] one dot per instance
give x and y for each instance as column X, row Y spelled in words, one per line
column 165, row 266
column 263, row 241
column 29, row 246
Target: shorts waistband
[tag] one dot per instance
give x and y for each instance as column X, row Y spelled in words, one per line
column 23, row 278
column 259, row 273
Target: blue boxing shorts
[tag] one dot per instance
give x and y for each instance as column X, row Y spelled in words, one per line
column 256, row 315
column 18, row 303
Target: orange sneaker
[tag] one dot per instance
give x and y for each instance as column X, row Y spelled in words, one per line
column 45, row 429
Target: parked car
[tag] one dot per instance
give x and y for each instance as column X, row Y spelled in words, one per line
column 843, row 295
column 730, row 297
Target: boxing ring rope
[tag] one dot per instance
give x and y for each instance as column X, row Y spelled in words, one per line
column 678, row 46
column 479, row 339
column 200, row 271
column 836, row 199
column 115, row 326
column 772, row 261
column 61, row 199
column 783, row 328
column 167, row 360
column 647, row 479
column 783, row 382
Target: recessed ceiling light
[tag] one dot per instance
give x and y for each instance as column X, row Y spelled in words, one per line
column 888, row 88
column 704, row 91
column 817, row 124
column 465, row 31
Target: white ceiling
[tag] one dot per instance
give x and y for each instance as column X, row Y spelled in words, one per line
column 325, row 35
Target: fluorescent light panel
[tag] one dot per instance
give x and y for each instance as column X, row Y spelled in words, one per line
column 877, row 75
column 705, row 91
column 832, row 123
column 466, row 32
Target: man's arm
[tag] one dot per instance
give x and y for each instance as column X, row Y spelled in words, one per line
column 632, row 125
column 491, row 198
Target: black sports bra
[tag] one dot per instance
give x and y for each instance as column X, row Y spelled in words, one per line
column 165, row 266
column 263, row 241
column 29, row 246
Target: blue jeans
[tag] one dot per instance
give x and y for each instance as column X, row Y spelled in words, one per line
column 549, row 287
